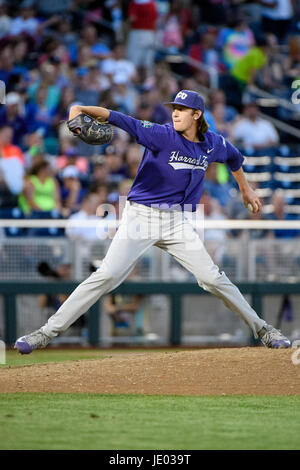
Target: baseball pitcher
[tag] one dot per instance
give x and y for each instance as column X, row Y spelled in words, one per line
column 168, row 183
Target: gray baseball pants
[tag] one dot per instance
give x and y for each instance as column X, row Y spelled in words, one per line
column 140, row 228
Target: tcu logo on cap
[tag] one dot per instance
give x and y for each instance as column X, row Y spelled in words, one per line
column 182, row 95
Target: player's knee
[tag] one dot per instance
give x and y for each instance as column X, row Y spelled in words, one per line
column 107, row 273
column 211, row 280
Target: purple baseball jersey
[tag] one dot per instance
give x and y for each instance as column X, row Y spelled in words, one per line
column 172, row 170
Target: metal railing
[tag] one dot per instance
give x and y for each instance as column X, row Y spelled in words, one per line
column 243, row 257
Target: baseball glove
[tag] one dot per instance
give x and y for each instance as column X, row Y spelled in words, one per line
column 90, row 130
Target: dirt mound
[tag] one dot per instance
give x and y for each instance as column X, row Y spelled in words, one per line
column 203, row 372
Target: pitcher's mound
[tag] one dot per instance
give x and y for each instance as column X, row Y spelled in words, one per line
column 203, row 372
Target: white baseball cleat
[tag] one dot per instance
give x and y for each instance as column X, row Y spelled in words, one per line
column 37, row 339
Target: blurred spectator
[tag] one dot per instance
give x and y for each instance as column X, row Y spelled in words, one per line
column 101, row 190
column 23, row 59
column 204, row 51
column 65, row 34
column 105, row 209
column 38, row 114
column 229, row 113
column 213, row 238
column 159, row 113
column 142, row 16
column 97, row 81
column 114, row 11
column 118, row 196
column 11, row 182
column 252, row 132
column 99, row 172
column 125, row 313
column 144, row 111
column 47, row 80
column 41, row 190
column 5, row 20
column 62, row 271
column 125, row 96
column 7, row 149
column 210, row 120
column 277, row 16
column 279, row 213
column 66, row 100
column 7, row 66
column 83, row 92
column 71, row 191
column 244, row 72
column 292, row 62
column 234, row 41
column 11, row 174
column 246, row 68
column 71, row 156
column 118, row 64
column 84, row 56
column 167, row 85
column 172, row 38
column 107, row 100
column 26, row 22
column 218, row 190
column 117, row 170
column 133, row 158
column 36, row 149
column 222, row 127
column 90, row 38
column 10, row 115
column 219, row 97
column 212, row 211
column 89, row 205
column 187, row 12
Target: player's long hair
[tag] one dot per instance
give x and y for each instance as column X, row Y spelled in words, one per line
column 202, row 127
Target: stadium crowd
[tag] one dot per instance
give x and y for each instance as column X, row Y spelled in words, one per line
column 120, row 55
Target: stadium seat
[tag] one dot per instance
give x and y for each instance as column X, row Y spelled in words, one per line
column 13, row 213
column 257, row 164
column 287, row 180
column 49, row 231
column 287, row 164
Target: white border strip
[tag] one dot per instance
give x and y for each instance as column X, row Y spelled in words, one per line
column 208, row 224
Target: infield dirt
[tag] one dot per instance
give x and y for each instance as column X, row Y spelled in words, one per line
column 226, row 371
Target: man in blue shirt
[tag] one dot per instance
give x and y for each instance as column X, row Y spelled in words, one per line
column 10, row 116
column 167, row 187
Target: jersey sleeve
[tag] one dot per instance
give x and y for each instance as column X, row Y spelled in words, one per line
column 150, row 135
column 230, row 155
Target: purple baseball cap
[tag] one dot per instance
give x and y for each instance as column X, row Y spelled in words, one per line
column 190, row 99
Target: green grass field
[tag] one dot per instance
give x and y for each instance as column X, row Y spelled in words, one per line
column 117, row 422
column 79, row 421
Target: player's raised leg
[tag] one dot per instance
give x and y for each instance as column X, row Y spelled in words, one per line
column 130, row 242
